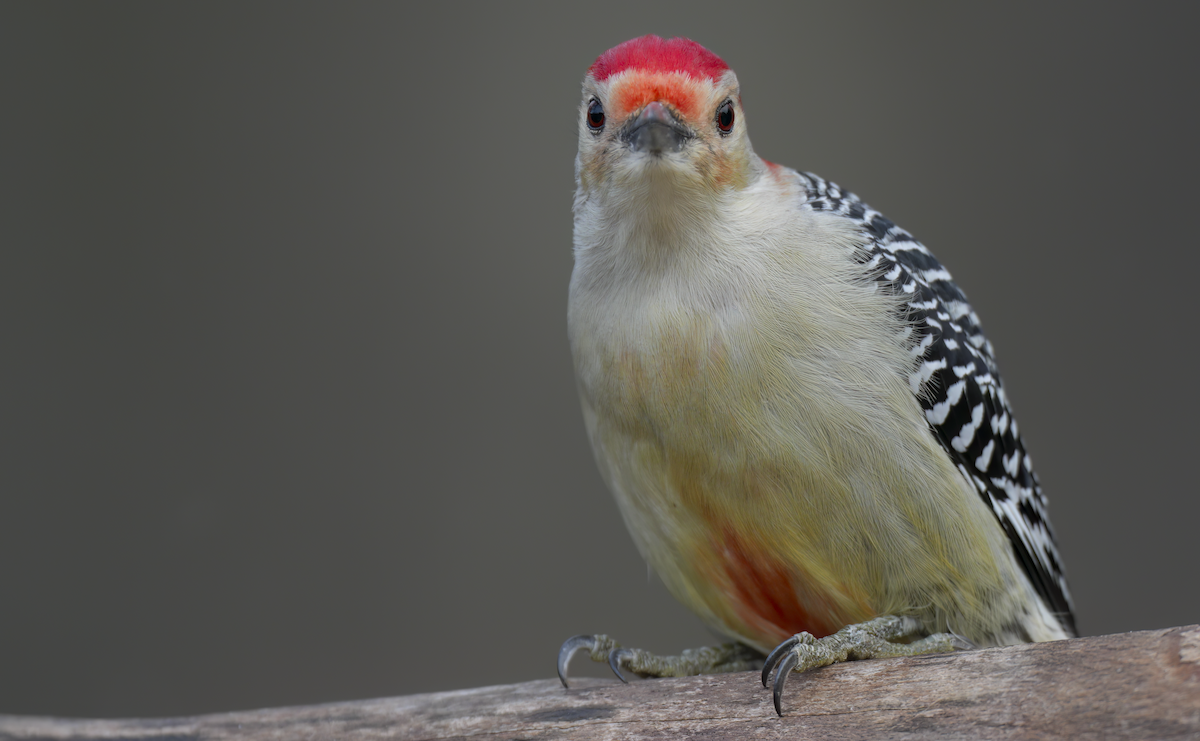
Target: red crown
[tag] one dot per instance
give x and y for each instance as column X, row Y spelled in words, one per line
column 656, row 54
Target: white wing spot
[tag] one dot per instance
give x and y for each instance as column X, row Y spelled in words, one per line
column 967, row 434
column 938, row 413
column 985, row 458
column 1011, row 463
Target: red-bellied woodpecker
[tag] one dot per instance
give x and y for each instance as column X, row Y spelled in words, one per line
column 792, row 402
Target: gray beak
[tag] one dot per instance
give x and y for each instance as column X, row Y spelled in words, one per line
column 656, row 131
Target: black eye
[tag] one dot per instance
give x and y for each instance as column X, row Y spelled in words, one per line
column 595, row 116
column 725, row 117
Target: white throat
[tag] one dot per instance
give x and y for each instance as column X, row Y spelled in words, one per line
column 651, row 217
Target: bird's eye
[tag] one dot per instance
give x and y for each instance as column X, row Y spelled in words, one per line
column 725, row 117
column 595, row 115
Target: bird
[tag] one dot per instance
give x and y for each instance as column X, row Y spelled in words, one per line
column 792, row 402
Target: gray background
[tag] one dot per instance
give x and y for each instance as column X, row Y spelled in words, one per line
column 286, row 403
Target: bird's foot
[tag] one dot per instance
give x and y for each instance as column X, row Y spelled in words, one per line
column 728, row 657
column 873, row 639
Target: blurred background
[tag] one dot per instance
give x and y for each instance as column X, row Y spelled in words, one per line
column 287, row 412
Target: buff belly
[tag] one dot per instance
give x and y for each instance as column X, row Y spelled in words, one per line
column 716, row 494
column 769, row 506
column 714, row 539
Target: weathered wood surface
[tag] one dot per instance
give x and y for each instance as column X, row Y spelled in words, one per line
column 1142, row 685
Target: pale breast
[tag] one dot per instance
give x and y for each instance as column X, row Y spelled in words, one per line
column 754, row 422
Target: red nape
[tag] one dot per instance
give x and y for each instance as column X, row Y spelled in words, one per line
column 656, row 54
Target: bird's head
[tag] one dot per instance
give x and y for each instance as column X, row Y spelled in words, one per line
column 659, row 112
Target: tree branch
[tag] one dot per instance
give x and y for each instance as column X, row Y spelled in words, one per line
column 1131, row 685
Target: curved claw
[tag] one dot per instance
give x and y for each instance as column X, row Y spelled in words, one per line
column 774, row 657
column 569, row 647
column 614, row 661
column 962, row 644
column 785, row 668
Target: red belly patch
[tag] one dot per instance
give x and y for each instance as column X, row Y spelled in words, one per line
column 771, row 598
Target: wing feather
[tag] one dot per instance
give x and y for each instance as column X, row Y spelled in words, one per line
column 959, row 389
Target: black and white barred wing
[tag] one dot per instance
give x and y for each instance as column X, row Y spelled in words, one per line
column 959, row 389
